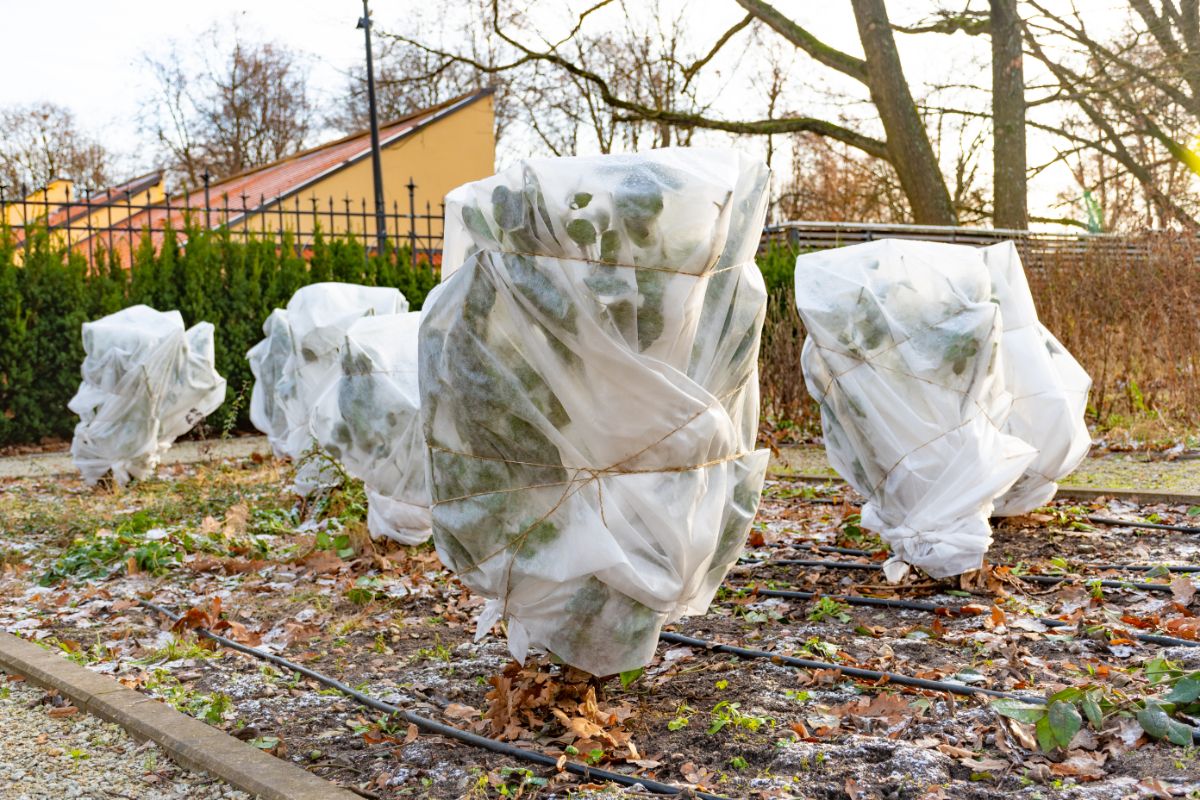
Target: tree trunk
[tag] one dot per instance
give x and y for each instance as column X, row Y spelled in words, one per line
column 1008, row 114
column 908, row 142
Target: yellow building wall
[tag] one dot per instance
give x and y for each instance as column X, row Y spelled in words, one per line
column 443, row 155
column 55, row 197
column 18, row 214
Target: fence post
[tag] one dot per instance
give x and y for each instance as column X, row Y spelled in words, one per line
column 66, row 217
column 166, row 216
column 25, row 220
column 207, row 202
column 412, row 220
column 87, row 205
column 396, row 222
column 129, row 222
column 429, row 234
column 299, row 228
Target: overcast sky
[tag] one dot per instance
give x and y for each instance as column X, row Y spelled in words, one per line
column 86, row 55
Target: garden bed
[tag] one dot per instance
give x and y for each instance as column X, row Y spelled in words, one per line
column 308, row 584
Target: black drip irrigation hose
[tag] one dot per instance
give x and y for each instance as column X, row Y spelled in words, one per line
column 1123, row 523
column 852, row 551
column 1099, row 520
column 591, row 773
column 1045, row 579
column 949, row 611
column 433, row 726
column 877, row 676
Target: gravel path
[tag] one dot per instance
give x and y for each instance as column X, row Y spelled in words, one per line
column 46, row 465
column 43, row 757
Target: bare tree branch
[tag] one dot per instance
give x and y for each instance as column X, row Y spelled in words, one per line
column 829, row 56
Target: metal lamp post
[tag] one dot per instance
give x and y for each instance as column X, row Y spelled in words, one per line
column 376, row 164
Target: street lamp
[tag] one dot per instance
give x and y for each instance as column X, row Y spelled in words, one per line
column 364, row 23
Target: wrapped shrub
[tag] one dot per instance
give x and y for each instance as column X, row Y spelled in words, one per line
column 904, row 357
column 300, row 358
column 146, row 382
column 369, row 420
column 266, row 363
column 1049, row 388
column 588, row 375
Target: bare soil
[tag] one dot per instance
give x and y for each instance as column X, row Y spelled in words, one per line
column 395, row 623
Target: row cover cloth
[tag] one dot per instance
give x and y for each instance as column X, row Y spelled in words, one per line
column 300, row 360
column 369, row 420
column 589, row 390
column 1049, row 388
column 146, row 382
column 903, row 355
column 943, row 399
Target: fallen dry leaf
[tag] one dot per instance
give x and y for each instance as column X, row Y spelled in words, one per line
column 1155, row 788
column 1183, row 589
column 1081, row 764
column 460, row 711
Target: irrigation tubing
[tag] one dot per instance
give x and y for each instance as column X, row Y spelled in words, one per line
column 851, row 551
column 433, row 726
column 1099, row 520
column 1046, row 579
column 951, row 611
column 854, row 672
column 591, row 773
column 877, row 676
column 1157, row 526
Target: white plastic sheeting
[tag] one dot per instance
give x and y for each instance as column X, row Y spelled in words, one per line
column 589, row 390
column 1049, row 388
column 369, row 420
column 146, row 381
column 300, row 359
column 266, row 362
column 904, row 357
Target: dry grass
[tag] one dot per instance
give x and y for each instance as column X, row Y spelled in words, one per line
column 1131, row 316
column 1129, row 313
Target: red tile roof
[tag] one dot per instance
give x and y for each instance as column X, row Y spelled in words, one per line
column 265, row 186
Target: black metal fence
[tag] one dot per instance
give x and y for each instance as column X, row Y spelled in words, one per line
column 116, row 222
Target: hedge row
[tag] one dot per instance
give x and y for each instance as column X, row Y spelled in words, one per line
column 47, row 293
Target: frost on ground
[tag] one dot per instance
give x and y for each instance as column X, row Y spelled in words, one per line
column 228, row 546
column 49, row 750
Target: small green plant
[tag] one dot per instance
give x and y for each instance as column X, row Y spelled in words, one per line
column 726, row 714
column 365, row 590
column 629, row 676
column 682, row 718
column 828, row 608
column 439, row 652
column 819, row 649
column 739, row 762
column 1057, row 722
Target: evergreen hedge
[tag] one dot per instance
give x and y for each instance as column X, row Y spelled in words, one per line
column 48, row 292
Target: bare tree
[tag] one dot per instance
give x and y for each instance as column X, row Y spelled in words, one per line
column 834, row 182
column 1136, row 94
column 242, row 108
column 41, row 142
column 906, row 146
column 1010, row 175
column 407, row 79
column 1009, row 168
